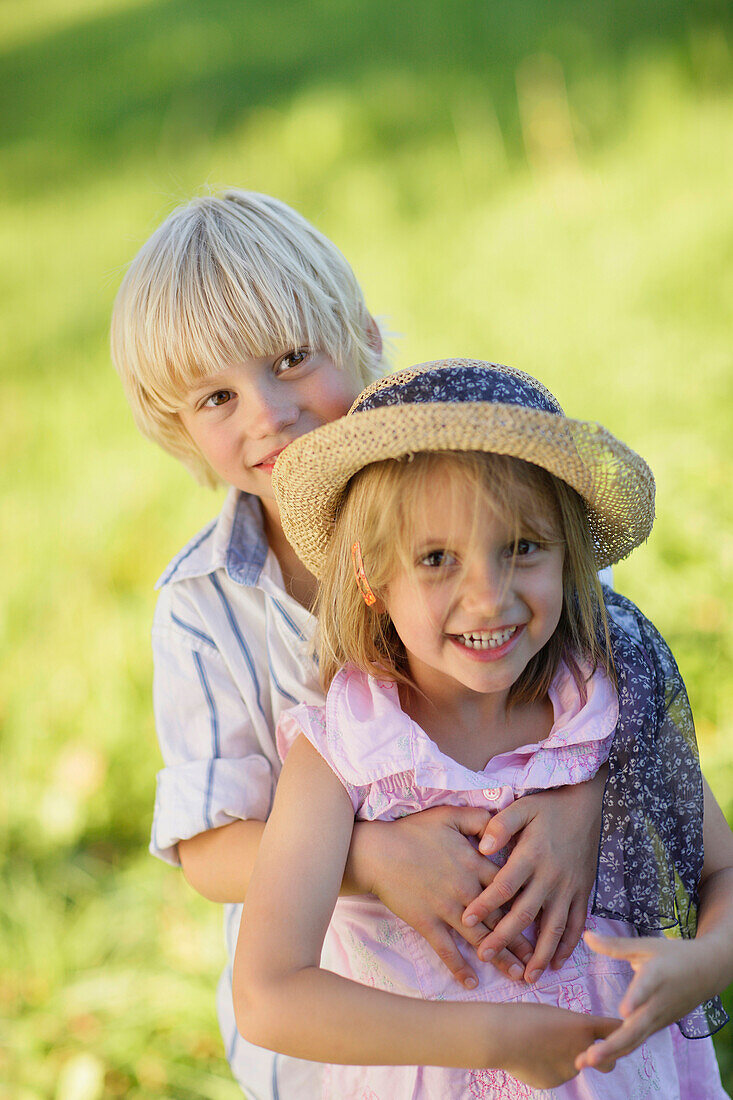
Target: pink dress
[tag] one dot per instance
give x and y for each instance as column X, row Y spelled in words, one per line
column 390, row 768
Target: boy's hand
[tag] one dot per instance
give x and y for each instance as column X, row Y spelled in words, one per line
column 549, row 1041
column 551, row 869
column 425, row 870
column 671, row 977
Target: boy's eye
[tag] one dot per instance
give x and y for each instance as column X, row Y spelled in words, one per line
column 290, row 360
column 219, row 398
column 437, row 558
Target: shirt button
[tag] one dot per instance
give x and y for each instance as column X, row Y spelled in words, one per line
column 492, row 793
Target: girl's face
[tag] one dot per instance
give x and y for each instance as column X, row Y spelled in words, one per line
column 243, row 416
column 473, row 605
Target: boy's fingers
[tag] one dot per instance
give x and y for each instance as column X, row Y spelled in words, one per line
column 519, row 950
column 501, row 886
column 469, row 820
column 445, row 948
column 552, row 927
column 508, row 963
column 571, row 936
column 504, row 825
column 520, row 916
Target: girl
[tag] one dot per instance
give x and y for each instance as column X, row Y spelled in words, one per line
column 469, row 658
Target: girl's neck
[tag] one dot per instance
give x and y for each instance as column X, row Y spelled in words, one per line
column 472, row 729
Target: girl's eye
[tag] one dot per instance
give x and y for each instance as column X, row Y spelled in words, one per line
column 437, row 558
column 221, row 397
column 290, row 360
column 523, row 547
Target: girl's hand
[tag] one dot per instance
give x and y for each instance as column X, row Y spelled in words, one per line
column 425, row 870
column 670, row 978
column 551, row 869
column 549, row 1041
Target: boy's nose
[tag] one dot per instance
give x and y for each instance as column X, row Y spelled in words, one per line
column 269, row 412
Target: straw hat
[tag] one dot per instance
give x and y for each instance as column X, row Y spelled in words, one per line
column 463, row 405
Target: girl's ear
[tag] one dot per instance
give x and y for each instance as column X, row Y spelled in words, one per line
column 379, row 607
column 374, row 337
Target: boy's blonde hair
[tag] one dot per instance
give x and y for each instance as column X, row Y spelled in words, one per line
column 225, row 277
column 378, row 510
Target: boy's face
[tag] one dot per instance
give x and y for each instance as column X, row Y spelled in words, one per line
column 243, row 416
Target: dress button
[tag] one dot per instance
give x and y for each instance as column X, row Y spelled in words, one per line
column 492, row 793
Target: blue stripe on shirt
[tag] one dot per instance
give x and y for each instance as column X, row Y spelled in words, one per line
column 289, row 620
column 214, row 721
column 240, row 640
column 193, row 630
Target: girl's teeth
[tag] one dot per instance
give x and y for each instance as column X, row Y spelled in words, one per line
column 487, row 639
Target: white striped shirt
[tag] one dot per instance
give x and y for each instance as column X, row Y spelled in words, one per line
column 231, row 651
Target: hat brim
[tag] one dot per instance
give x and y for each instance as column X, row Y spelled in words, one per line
column 311, row 474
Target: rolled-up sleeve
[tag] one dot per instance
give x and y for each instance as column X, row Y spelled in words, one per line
column 215, row 772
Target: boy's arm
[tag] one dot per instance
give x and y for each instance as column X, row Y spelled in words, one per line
column 283, row 1000
column 550, row 870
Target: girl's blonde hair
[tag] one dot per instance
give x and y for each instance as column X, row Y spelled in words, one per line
column 226, row 277
column 378, row 511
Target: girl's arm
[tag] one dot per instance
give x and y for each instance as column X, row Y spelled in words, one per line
column 671, row 977
column 283, row 1000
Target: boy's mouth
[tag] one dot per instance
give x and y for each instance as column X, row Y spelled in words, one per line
column 268, row 462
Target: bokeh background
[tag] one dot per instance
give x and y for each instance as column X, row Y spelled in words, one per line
column 548, row 185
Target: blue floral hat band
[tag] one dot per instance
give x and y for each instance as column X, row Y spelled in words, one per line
column 458, row 384
column 463, row 405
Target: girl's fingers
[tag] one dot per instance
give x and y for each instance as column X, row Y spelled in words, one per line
column 616, row 947
column 640, row 991
column 623, row 1041
column 573, row 931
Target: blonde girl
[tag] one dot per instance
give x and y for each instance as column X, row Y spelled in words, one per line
column 456, row 521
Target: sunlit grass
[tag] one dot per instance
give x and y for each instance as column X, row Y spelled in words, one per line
column 599, row 259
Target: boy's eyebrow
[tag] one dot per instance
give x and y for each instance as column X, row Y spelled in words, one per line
column 207, row 383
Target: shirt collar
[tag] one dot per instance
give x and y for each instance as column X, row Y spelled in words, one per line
column 234, row 541
column 382, row 740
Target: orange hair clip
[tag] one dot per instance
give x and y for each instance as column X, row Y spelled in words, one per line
column 360, row 574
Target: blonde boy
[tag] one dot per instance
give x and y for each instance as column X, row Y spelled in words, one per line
column 238, row 328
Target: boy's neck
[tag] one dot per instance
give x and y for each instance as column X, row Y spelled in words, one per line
column 298, row 582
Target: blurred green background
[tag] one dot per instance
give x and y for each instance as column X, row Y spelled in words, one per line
column 547, row 185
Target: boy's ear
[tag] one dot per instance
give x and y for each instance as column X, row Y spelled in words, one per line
column 374, row 337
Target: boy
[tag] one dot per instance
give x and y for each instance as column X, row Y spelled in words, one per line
column 238, row 328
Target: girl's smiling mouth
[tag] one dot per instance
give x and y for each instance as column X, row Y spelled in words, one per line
column 488, row 643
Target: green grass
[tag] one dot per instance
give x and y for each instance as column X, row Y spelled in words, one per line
column 545, row 185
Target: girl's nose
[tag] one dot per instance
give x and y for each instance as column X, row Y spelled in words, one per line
column 485, row 587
